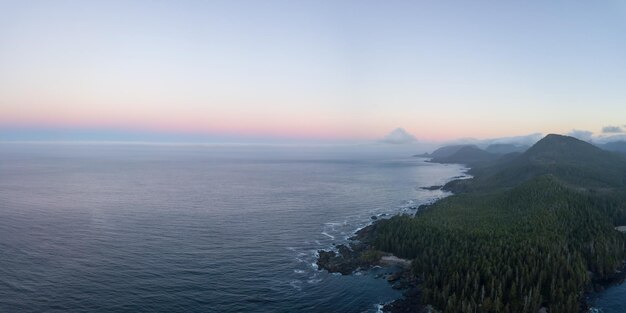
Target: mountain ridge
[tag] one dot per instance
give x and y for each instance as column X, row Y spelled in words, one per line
column 572, row 161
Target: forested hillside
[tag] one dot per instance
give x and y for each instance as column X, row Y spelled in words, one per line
column 529, row 232
column 571, row 161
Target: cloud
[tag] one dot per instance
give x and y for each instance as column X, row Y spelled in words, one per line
column 399, row 136
column 610, row 138
column 524, row 140
column 612, row 130
column 581, row 134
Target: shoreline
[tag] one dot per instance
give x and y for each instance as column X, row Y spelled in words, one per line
column 359, row 255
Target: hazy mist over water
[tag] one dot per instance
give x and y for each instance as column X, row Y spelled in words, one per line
column 97, row 227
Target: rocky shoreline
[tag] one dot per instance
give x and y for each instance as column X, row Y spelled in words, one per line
column 617, row 278
column 359, row 255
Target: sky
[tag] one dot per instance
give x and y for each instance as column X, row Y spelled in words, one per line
column 330, row 71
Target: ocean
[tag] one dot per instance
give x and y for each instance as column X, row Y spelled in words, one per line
column 184, row 228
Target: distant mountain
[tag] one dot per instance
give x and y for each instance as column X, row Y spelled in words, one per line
column 569, row 160
column 498, row 148
column 444, row 151
column 469, row 155
column 553, row 148
column 617, row 146
column 505, row 148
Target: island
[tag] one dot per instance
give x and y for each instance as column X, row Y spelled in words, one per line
column 530, row 232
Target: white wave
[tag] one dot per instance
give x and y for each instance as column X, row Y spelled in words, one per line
column 296, row 284
column 359, row 228
column 298, row 271
column 328, row 235
column 379, row 308
column 314, row 281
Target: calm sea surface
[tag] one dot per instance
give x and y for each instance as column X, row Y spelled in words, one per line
column 112, row 228
column 612, row 300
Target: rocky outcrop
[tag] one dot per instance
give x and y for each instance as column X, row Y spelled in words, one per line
column 345, row 261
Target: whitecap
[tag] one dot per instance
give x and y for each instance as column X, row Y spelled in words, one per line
column 296, row 284
column 379, row 308
column 329, row 236
column 298, row 271
column 359, row 228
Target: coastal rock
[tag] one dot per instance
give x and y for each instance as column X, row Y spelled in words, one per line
column 346, row 260
column 365, row 234
column 435, row 187
column 393, row 277
column 407, row 305
column 333, row 263
column 423, row 207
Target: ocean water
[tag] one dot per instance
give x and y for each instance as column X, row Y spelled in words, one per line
column 611, row 300
column 149, row 228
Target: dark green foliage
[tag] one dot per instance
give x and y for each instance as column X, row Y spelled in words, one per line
column 537, row 240
column 371, row 256
column 446, row 151
column 573, row 162
column 507, row 251
column 469, row 155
